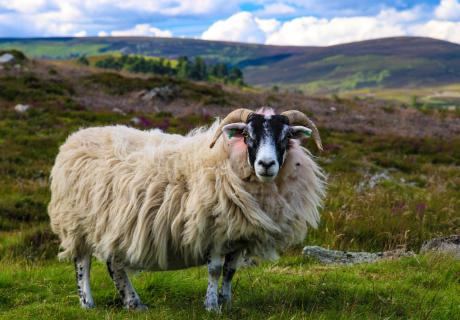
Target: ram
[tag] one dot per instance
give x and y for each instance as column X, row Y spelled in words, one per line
column 147, row 200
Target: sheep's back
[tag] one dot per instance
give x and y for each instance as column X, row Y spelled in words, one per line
column 94, row 179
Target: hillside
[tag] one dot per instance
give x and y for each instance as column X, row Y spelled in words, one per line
column 382, row 63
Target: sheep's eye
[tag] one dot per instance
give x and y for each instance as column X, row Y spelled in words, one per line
column 245, row 135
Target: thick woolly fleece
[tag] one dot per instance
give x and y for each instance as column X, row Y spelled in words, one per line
column 162, row 201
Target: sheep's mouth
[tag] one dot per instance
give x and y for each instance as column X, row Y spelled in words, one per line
column 266, row 177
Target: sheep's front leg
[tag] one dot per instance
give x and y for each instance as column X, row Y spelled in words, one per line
column 232, row 261
column 82, row 271
column 126, row 290
column 214, row 271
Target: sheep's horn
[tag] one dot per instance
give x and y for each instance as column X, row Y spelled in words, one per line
column 299, row 118
column 238, row 115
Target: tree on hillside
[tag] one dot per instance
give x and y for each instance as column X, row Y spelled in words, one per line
column 183, row 67
column 83, row 61
column 198, row 70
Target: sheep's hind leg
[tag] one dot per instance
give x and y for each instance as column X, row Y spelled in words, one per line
column 214, row 271
column 126, row 290
column 232, row 261
column 82, row 270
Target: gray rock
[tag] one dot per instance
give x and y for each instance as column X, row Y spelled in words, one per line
column 449, row 245
column 164, row 93
column 6, row 57
column 373, row 181
column 21, row 108
column 327, row 256
column 119, row 111
column 341, row 257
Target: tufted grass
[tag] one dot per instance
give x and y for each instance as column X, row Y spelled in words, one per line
column 426, row 287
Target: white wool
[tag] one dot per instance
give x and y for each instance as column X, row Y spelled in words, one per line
column 162, row 201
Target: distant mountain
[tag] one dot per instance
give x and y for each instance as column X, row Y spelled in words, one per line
column 383, row 63
column 386, row 63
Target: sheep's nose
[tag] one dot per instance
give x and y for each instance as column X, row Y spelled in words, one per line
column 266, row 164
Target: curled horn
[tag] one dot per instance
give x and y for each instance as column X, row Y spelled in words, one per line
column 299, row 118
column 238, row 115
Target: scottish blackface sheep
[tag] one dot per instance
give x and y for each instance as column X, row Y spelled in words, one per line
column 148, row 200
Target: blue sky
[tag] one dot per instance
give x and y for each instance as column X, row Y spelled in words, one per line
column 294, row 22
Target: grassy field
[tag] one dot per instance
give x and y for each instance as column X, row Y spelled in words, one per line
column 447, row 97
column 293, row 288
column 54, row 49
column 418, row 199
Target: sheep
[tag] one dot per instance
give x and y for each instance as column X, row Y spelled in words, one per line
column 148, row 200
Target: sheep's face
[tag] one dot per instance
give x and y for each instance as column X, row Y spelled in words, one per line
column 265, row 139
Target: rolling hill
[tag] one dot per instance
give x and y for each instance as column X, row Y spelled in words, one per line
column 409, row 62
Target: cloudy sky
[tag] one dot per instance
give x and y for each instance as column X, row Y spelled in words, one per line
column 294, row 22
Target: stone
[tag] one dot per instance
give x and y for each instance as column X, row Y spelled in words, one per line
column 119, row 111
column 327, row 256
column 164, row 93
column 448, row 245
column 373, row 181
column 21, row 108
column 6, row 57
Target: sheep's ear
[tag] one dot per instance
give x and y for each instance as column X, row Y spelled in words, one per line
column 234, row 129
column 300, row 132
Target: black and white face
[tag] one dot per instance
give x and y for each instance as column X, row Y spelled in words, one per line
column 266, row 137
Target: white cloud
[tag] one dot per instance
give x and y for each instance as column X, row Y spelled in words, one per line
column 445, row 30
column 448, row 10
column 276, row 9
column 314, row 31
column 268, row 25
column 174, row 7
column 142, row 30
column 162, row 7
column 67, row 17
column 340, row 23
column 23, row 5
column 81, row 33
column 391, row 15
column 239, row 27
column 244, row 26
column 389, row 22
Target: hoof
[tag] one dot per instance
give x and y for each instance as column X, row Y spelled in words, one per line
column 136, row 306
column 88, row 306
column 212, row 306
column 225, row 301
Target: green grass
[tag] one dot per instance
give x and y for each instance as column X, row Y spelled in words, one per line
column 425, row 287
column 54, row 49
column 435, row 97
column 95, row 58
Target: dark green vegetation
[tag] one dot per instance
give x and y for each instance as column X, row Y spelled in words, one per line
column 405, row 62
column 184, row 68
column 418, row 199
